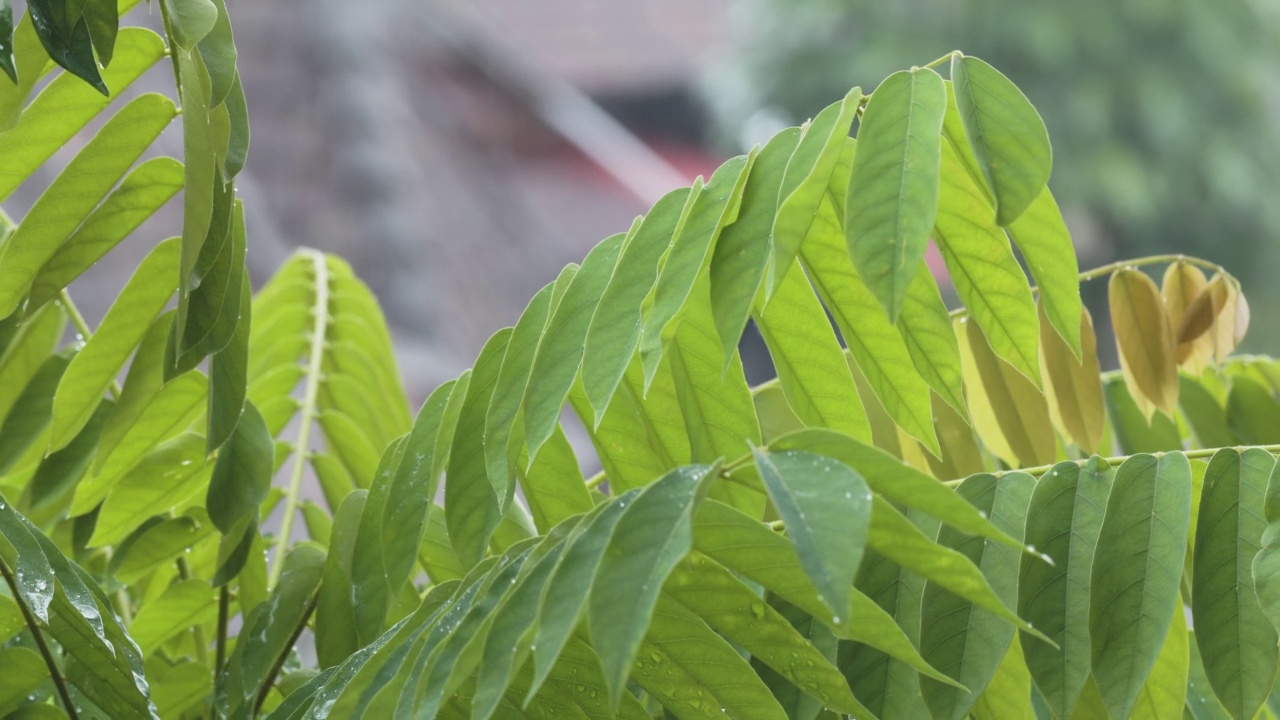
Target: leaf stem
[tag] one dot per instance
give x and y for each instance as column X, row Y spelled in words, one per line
column 319, row 328
column 944, row 59
column 1104, row 270
column 1116, row 460
column 82, row 327
column 597, row 479
column 59, row 682
column 270, row 679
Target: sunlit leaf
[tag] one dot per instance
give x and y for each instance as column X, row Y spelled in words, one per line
column 1144, row 340
column 1073, row 387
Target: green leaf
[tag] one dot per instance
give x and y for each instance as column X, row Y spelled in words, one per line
column 575, row 575
column 164, row 479
column 1006, row 133
column 987, row 277
column 190, row 20
column 218, row 49
column 652, row 535
column 167, row 414
column 32, row 63
column 238, row 141
column 1063, row 522
column 66, row 38
column 1252, row 412
column 242, row 473
column 713, row 208
column 960, row 639
column 213, row 307
column 554, row 488
column 159, row 544
column 7, row 62
column 26, row 673
column 707, row 589
column 33, row 343
column 337, row 634
column 826, row 507
column 1134, row 434
column 228, row 377
column 513, row 379
column 895, row 537
column 49, row 490
column 615, row 325
column 142, row 192
column 561, row 349
column 810, row 363
column 742, row 252
column 198, row 153
column 29, row 416
column 472, row 511
column 98, row 363
column 805, row 182
column 1165, row 692
column 1204, row 412
column 1042, row 237
column 873, row 341
column 1009, row 413
column 1135, row 582
column 688, row 668
column 893, row 187
column 184, row 604
column 270, row 631
column 77, row 191
column 925, row 326
column 897, row 482
column 1008, row 695
column 1236, row 642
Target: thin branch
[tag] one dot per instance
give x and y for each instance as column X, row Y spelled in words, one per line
column 1104, row 270
column 220, row 653
column 60, row 682
column 318, row 332
column 1116, row 460
column 284, row 654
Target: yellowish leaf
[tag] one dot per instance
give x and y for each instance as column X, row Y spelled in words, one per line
column 1009, row 413
column 1183, row 283
column 1144, row 339
column 961, row 456
column 1074, row 387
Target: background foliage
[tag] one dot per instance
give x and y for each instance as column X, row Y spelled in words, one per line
column 914, row 518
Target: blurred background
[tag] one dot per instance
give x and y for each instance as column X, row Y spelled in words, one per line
column 460, row 152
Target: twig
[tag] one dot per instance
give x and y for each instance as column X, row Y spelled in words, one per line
column 55, row 672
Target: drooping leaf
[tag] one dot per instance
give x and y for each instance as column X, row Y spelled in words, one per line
column 242, row 472
column 1237, row 643
column 1006, row 133
column 1042, row 237
column 892, row 197
column 1063, row 522
column 1009, row 413
column 960, row 639
column 810, row 364
column 925, row 326
column 1144, row 340
column 805, row 184
column 269, row 633
column 652, row 535
column 826, row 507
column 742, row 252
column 560, row 351
column 98, row 363
column 1073, row 387
column 1135, row 581
column 472, row 511
column 986, row 276
column 1183, row 283
column 615, row 327
column 228, row 377
column 76, row 192
column 713, row 208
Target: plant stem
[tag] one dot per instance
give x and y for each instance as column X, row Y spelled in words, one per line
column 1109, row 268
column 220, row 653
column 59, row 682
column 82, row 327
column 944, row 59
column 319, row 328
column 1191, row 455
column 279, row 661
column 597, row 479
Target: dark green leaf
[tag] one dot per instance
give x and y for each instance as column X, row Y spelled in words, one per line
column 1135, row 581
column 228, row 377
column 1006, row 133
column 1063, row 522
column 67, row 40
column 1133, row 433
column 1236, row 642
column 242, row 473
column 336, row 614
column 654, row 532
